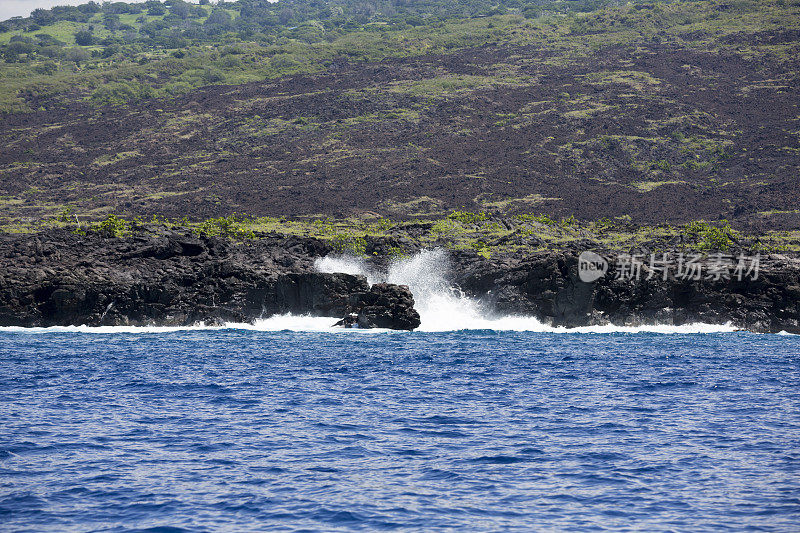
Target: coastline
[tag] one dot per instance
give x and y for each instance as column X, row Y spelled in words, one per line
column 176, row 278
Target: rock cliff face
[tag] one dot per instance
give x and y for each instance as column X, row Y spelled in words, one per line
column 57, row 278
column 174, row 279
column 548, row 287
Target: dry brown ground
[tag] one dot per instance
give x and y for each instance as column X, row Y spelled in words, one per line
column 657, row 133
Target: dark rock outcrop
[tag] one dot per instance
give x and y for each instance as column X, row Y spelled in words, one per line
column 548, row 287
column 173, row 278
column 384, row 306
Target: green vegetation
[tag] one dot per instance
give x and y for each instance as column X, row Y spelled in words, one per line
column 114, row 53
column 111, row 226
column 465, row 217
column 541, row 219
column 719, row 237
column 349, row 244
column 573, row 95
column 235, row 225
column 484, row 233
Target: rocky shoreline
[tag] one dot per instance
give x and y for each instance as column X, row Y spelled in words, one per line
column 176, row 278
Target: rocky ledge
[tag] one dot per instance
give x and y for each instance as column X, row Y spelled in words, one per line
column 548, row 286
column 58, row 278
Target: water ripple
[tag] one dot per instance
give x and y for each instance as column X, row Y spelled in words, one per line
column 222, row 429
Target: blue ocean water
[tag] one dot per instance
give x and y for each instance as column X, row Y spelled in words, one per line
column 237, row 430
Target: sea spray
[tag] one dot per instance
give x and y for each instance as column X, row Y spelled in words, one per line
column 347, row 264
column 443, row 307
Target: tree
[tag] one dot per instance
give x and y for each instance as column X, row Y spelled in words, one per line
column 110, row 50
column 111, row 21
column 91, row 7
column 76, row 55
column 46, row 68
column 156, row 10
column 21, row 39
column 84, row 38
column 285, row 15
column 42, row 17
column 180, row 9
column 19, row 47
column 51, row 51
column 213, row 75
column 218, row 21
column 121, row 8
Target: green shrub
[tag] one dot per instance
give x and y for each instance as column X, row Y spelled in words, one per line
column 122, row 93
column 76, row 55
column 213, row 75
column 569, row 221
column 345, row 243
column 284, row 61
column 385, row 224
column 231, row 226
column 111, row 50
column 67, row 214
column 177, row 88
column 112, row 226
column 465, row 217
column 661, row 164
column 46, row 68
column 396, row 253
column 602, row 224
column 709, row 237
column 482, row 249
column 541, row 219
column 84, row 38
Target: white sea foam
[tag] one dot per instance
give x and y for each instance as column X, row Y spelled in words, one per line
column 299, row 323
column 441, row 306
column 274, row 323
column 323, row 325
column 109, row 329
column 346, row 264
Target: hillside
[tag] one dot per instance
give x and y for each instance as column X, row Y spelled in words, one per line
column 661, row 112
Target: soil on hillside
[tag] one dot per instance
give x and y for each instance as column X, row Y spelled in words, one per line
column 658, row 133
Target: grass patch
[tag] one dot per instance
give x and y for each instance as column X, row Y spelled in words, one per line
column 647, row 186
column 110, row 159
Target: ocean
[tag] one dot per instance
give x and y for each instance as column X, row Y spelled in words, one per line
column 233, row 429
column 472, row 423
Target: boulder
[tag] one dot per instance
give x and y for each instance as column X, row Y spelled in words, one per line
column 385, row 306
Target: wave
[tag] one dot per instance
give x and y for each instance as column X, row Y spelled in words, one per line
column 108, row 329
column 440, row 305
column 507, row 323
column 309, row 324
column 443, row 307
column 275, row 323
